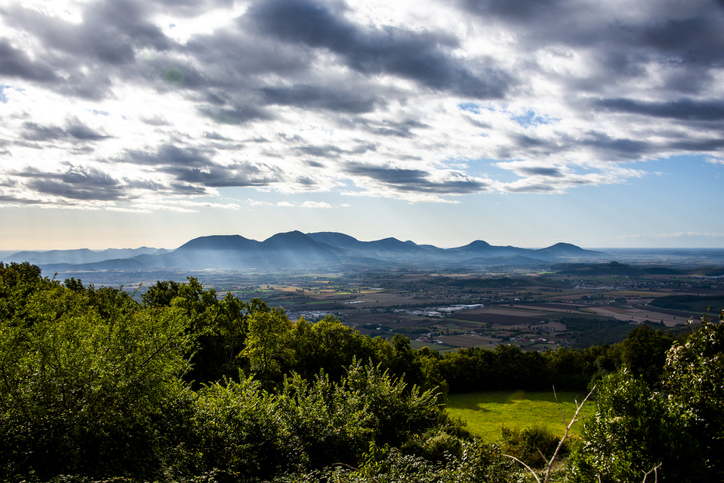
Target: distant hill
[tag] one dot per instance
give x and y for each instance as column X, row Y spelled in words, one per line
column 334, row 239
column 567, row 250
column 297, row 250
column 218, row 242
column 340, row 240
column 78, row 256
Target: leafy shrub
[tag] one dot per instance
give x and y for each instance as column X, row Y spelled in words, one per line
column 243, row 430
column 527, row 444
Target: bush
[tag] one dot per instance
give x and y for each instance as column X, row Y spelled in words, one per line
column 527, row 445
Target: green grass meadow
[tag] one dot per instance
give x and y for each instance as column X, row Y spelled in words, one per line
column 486, row 412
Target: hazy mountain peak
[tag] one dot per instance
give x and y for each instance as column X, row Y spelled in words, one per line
column 217, row 242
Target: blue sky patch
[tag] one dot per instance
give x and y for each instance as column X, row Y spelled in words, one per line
column 530, row 118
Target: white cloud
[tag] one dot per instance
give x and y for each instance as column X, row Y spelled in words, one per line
column 315, row 204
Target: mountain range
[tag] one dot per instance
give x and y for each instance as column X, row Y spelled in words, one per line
column 297, row 250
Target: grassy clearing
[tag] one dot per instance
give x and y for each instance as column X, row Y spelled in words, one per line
column 486, row 412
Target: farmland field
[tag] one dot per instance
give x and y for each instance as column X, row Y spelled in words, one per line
column 637, row 315
column 499, row 319
column 469, row 341
column 486, row 412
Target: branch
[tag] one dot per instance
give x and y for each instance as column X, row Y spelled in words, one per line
column 655, row 471
column 568, row 429
column 526, row 466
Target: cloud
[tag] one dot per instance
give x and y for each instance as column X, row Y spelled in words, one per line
column 110, row 32
column 329, row 151
column 416, row 180
column 541, row 178
column 424, row 57
column 320, row 97
column 684, row 109
column 407, row 100
column 315, row 204
column 76, row 183
column 75, row 129
column 16, row 63
column 170, row 155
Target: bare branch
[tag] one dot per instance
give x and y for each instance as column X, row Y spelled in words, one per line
column 655, row 471
column 565, row 436
column 526, row 466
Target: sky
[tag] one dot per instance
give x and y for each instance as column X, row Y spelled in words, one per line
column 130, row 123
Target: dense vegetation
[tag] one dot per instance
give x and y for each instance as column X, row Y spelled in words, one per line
column 688, row 302
column 185, row 385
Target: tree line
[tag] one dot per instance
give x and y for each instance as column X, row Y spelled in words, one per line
column 184, row 385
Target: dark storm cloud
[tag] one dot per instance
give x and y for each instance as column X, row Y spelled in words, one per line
column 683, row 109
column 189, row 8
column 305, row 181
column 83, row 132
column 514, row 10
column 238, row 54
column 234, row 115
column 695, row 39
column 18, row 200
column 188, row 189
column 168, row 154
column 423, row 57
column 75, row 129
column 215, row 136
column 321, row 151
column 317, row 97
column 15, row 63
column 111, row 31
column 415, row 180
column 328, row 151
column 698, row 145
column 84, row 184
column 540, row 171
column 194, row 167
column 524, row 141
column 240, row 174
column 36, row 132
column 616, row 147
column 532, row 188
column 685, row 39
column 402, row 129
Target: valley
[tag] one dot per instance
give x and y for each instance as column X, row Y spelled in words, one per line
column 477, row 295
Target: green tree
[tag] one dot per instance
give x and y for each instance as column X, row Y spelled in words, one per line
column 694, row 379
column 644, row 352
column 675, row 425
column 267, row 345
column 81, row 393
